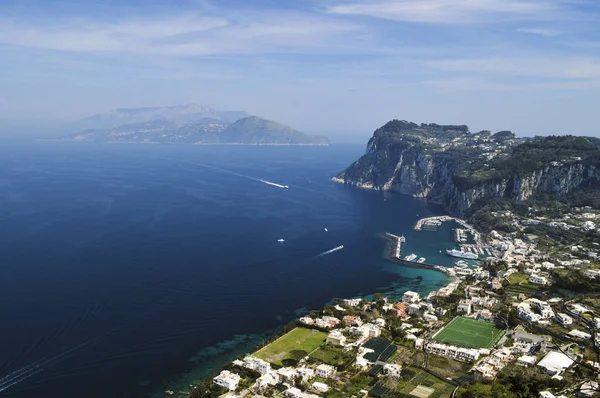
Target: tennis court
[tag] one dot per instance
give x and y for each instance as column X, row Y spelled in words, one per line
column 467, row 332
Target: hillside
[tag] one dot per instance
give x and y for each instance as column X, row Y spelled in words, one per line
column 254, row 130
column 248, row 131
column 178, row 113
column 454, row 167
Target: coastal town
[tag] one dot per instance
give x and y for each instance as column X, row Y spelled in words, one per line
column 523, row 315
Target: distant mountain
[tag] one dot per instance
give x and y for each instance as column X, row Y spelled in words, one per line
column 250, row 130
column 254, row 130
column 178, row 113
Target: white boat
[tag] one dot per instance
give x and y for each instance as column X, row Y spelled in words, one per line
column 461, row 263
column 410, row 257
column 281, row 240
column 325, row 229
column 286, row 187
column 462, row 254
column 421, row 260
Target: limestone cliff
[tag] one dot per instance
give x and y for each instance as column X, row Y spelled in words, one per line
column 451, row 166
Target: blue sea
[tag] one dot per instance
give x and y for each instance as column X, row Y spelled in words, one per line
column 126, row 270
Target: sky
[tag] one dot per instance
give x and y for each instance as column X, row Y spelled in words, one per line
column 343, row 67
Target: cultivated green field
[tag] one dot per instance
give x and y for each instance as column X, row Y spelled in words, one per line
column 295, row 344
column 467, row 332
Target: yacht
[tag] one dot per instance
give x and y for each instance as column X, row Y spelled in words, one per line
column 462, row 254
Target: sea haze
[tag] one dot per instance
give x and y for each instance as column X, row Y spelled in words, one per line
column 124, row 266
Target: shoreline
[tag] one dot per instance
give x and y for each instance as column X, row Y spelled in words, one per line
column 281, row 330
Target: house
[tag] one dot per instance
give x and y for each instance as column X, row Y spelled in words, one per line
column 555, row 362
column 399, row 310
column 414, row 309
column 324, row 371
column 410, row 297
column 453, row 352
column 371, row 330
column 543, row 307
column 257, row 364
column 563, row 319
column 352, row 302
column 353, row 320
column 307, row 320
column 579, row 334
column 266, row 380
column 527, row 360
column 336, row 338
column 596, row 323
column 227, row 379
column 286, row 375
column 465, row 305
column 427, row 317
column 486, row 315
column 538, row 279
column 392, row 370
column 578, row 308
column 321, row 387
column 524, row 311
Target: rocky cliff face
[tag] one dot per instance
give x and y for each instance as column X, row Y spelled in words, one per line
column 446, row 168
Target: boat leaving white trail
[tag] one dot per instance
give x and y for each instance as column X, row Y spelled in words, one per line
column 330, row 251
column 274, row 184
column 242, row 175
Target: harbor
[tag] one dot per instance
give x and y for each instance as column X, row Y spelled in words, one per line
column 395, row 255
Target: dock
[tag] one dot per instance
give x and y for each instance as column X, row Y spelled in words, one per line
column 395, row 255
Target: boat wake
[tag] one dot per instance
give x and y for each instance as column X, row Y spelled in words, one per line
column 330, row 251
column 34, row 368
column 242, row 175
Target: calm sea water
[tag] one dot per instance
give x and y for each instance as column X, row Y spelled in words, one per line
column 124, row 267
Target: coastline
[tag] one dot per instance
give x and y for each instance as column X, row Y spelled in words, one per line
column 257, row 342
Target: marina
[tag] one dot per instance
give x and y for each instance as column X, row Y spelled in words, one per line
column 395, row 255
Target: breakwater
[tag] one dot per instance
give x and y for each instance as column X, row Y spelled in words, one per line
column 395, row 255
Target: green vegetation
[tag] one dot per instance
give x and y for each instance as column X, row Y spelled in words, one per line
column 516, row 279
column 467, row 332
column 332, row 355
column 292, row 346
column 414, row 377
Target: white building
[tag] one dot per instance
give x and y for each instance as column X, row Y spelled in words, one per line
column 543, row 307
column 449, row 351
column 352, row 302
column 257, row 364
column 411, row 297
column 579, row 334
column 325, row 371
column 227, row 379
column 555, row 362
column 321, row 387
column 563, row 319
column 538, row 279
column 427, row 317
column 524, row 311
column 466, row 306
column 527, row 360
column 336, row 338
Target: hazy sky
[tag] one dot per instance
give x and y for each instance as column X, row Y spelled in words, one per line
column 532, row 66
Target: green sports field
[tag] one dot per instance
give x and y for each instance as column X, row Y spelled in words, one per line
column 296, row 344
column 467, row 332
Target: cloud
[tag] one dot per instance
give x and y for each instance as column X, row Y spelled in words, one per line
column 244, row 33
column 451, row 11
column 540, row 31
column 543, row 67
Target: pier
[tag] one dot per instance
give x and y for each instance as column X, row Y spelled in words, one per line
column 395, row 255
